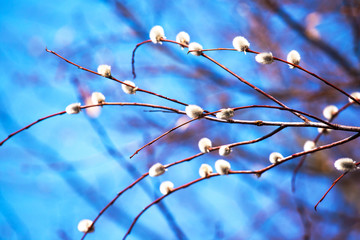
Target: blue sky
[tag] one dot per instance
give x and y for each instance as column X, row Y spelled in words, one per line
column 61, row 171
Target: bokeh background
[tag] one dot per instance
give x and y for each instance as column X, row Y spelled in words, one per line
column 69, row 167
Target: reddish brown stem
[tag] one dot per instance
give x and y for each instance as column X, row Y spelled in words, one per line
column 288, row 124
column 178, row 162
column 30, row 125
column 302, row 160
column 89, row 106
column 287, row 109
column 243, row 81
column 161, row 198
column 333, row 184
column 116, row 80
column 133, row 56
column 113, row 200
column 323, row 147
column 253, row 86
column 167, row 132
column 257, row 172
column 230, row 145
column 294, row 65
column 175, row 190
column 142, row 43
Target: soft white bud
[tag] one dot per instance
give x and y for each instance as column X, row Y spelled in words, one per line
column 73, row 108
column 193, row 111
column 224, row 150
column 294, row 58
column 183, row 37
column 241, row 44
column 128, row 89
column 156, row 34
column 345, row 165
column 97, row 97
column 275, row 157
column 196, row 48
column 84, row 226
column 156, row 170
column 330, row 111
column 205, row 170
column 204, row 145
column 222, row 167
column 104, row 70
column 309, row 145
column 225, row 113
column 324, row 130
column 166, row 187
column 355, row 95
column 92, row 112
column 264, row 58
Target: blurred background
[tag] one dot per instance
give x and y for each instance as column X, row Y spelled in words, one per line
column 69, row 167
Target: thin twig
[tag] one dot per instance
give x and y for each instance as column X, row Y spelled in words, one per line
column 124, row 163
column 253, row 86
column 113, row 200
column 294, row 65
column 320, row 148
column 287, row 109
column 161, row 198
column 30, row 125
column 169, row 131
column 257, row 172
column 332, row 185
column 116, row 80
column 206, row 116
column 302, row 160
column 133, row 56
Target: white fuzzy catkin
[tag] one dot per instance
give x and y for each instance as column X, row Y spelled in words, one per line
column 294, row 58
column 196, row 48
column 204, row 145
column 193, row 111
column 330, row 111
column 345, row 165
column 156, row 170
column 309, row 145
column 324, row 130
column 84, row 226
column 222, row 167
column 225, row 113
column 264, row 58
column 104, row 70
column 224, row 150
column 183, row 37
column 205, row 170
column 73, row 108
column 241, row 44
column 156, row 34
column 97, row 97
column 127, row 89
column 166, row 187
column 355, row 95
column 275, row 157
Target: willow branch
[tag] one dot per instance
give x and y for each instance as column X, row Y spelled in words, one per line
column 332, row 185
column 256, row 172
column 116, row 80
column 113, row 200
column 294, row 65
column 169, row 131
column 302, row 160
column 206, row 116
